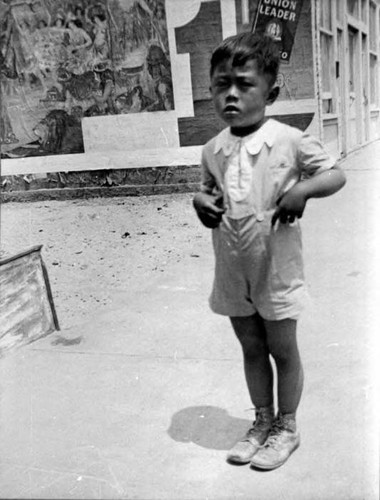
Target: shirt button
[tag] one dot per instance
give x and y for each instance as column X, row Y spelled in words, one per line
column 260, row 217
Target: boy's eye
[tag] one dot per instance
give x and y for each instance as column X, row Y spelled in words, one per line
column 224, row 84
column 245, row 83
column 221, row 83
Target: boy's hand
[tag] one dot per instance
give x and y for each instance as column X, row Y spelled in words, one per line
column 208, row 208
column 290, row 205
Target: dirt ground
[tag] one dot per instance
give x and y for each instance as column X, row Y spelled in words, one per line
column 95, row 246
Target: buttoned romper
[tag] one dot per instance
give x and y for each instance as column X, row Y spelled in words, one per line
column 259, row 267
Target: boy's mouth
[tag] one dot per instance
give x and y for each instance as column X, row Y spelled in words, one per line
column 231, row 111
column 230, row 108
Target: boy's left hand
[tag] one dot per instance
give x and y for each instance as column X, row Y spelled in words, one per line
column 290, row 206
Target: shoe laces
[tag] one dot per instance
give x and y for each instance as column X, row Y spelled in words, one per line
column 262, row 422
column 276, row 432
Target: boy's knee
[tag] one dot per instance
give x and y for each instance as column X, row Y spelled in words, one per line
column 250, row 332
column 282, row 339
column 283, row 352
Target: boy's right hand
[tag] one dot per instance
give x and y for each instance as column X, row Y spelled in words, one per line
column 208, row 208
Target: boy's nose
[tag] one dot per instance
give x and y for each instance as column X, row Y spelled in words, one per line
column 232, row 92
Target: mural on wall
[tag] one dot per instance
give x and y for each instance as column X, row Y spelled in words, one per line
column 62, row 61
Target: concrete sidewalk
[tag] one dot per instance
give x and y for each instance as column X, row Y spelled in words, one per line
column 142, row 392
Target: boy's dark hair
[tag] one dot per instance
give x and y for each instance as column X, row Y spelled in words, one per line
column 249, row 46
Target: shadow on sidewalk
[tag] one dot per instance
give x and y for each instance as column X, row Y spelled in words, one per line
column 207, row 426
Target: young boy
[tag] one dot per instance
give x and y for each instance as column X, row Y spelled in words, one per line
column 257, row 176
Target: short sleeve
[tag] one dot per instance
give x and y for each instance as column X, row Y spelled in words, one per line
column 312, row 158
column 208, row 182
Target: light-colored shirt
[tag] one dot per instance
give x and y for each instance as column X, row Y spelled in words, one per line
column 254, row 171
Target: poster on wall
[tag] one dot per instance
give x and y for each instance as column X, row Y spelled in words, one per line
column 279, row 19
column 62, row 61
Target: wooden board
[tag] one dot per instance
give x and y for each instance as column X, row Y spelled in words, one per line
column 27, row 311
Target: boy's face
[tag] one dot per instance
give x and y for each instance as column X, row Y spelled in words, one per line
column 240, row 93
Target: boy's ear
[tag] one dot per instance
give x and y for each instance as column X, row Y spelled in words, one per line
column 273, row 94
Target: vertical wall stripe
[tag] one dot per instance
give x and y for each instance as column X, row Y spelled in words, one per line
column 180, row 13
column 229, row 17
column 317, row 62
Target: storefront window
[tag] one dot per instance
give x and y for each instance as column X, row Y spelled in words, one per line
column 364, row 10
column 339, row 7
column 373, row 79
column 325, row 15
column 372, row 27
column 353, row 7
column 351, row 52
column 326, row 46
column 327, row 71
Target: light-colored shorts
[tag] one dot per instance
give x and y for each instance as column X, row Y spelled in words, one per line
column 258, row 269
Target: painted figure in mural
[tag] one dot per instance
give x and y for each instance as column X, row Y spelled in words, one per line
column 80, row 15
column 159, row 29
column 100, row 33
column 140, row 102
column 134, row 25
column 59, row 22
column 39, row 11
column 59, row 133
column 70, row 13
column 123, row 80
column 76, row 88
column 60, row 38
column 7, row 74
column 257, row 176
column 103, row 91
column 92, row 90
column 28, row 65
column 133, row 102
column 47, row 46
column 78, row 51
column 159, row 70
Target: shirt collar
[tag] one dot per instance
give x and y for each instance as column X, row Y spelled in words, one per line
column 253, row 142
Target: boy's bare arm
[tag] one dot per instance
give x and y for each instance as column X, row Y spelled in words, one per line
column 292, row 203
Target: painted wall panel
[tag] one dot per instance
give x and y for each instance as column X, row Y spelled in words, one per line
column 126, row 133
column 179, row 14
column 198, row 38
column 103, row 160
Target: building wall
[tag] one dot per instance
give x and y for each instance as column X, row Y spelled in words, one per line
column 348, row 57
column 296, row 103
column 170, row 137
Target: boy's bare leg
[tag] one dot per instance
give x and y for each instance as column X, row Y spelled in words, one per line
column 282, row 343
column 250, row 331
column 283, row 438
